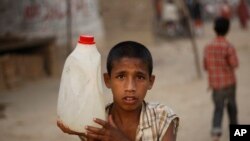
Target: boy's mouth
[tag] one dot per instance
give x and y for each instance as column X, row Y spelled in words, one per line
column 130, row 99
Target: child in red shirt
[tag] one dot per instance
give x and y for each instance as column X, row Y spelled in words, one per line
column 220, row 61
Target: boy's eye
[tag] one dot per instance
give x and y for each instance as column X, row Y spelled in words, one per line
column 140, row 77
column 120, row 76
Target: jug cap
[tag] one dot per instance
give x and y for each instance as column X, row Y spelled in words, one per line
column 86, row 39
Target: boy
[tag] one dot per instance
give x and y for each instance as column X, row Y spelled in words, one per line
column 129, row 117
column 220, row 61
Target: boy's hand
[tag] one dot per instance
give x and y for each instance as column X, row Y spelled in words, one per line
column 67, row 130
column 109, row 132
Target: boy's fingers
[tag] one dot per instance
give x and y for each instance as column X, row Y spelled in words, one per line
column 101, row 122
column 63, row 128
column 67, row 130
column 94, row 130
column 95, row 136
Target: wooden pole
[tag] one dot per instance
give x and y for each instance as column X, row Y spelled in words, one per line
column 194, row 48
column 191, row 35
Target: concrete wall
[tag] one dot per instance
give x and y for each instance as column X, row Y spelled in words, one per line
column 48, row 17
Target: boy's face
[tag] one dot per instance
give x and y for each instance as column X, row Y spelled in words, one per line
column 129, row 81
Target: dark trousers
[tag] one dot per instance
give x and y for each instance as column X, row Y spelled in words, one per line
column 221, row 98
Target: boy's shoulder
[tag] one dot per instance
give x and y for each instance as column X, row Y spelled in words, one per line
column 221, row 42
column 159, row 115
column 159, row 109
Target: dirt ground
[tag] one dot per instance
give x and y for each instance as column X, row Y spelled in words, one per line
column 28, row 113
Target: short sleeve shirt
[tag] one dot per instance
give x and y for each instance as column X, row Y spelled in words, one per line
column 154, row 121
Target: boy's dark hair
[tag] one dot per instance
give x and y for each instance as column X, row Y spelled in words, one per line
column 221, row 26
column 129, row 49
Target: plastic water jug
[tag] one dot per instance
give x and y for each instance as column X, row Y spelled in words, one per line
column 81, row 97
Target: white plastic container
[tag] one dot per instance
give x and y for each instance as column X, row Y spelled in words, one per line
column 81, row 96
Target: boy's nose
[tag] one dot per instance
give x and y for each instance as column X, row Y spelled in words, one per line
column 130, row 85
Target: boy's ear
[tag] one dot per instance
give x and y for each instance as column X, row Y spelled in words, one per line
column 151, row 81
column 107, row 80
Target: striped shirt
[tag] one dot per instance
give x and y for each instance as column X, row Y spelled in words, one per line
column 220, row 60
column 154, row 121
